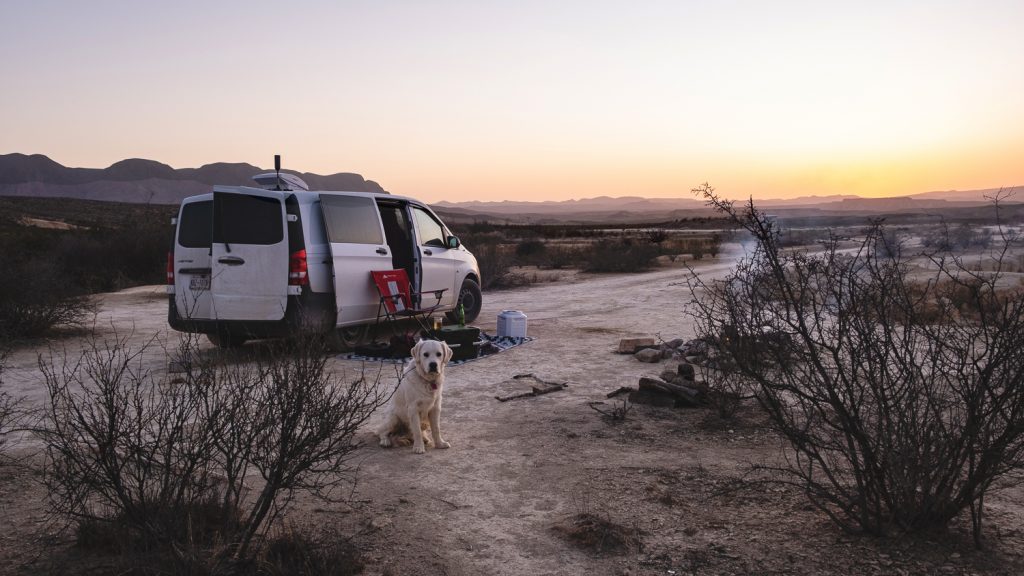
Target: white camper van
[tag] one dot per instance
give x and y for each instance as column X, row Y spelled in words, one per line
column 277, row 260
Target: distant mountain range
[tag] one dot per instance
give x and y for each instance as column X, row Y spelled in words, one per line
column 143, row 181
column 147, row 181
column 635, row 208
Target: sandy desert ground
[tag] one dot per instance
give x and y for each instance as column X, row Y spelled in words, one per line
column 519, row 470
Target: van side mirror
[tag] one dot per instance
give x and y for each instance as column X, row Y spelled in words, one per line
column 453, row 242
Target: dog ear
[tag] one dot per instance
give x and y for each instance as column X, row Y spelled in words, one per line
column 447, row 352
column 415, row 351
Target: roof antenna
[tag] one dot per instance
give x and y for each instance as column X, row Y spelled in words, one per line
column 277, row 168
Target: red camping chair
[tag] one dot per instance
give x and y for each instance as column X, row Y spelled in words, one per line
column 396, row 298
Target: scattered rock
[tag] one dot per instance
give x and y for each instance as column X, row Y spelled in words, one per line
column 652, row 399
column 686, row 372
column 675, row 344
column 650, row 355
column 681, row 396
column 633, row 345
column 621, row 390
column 696, row 347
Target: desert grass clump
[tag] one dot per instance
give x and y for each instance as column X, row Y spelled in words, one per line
column 901, row 413
column 598, row 533
column 296, row 552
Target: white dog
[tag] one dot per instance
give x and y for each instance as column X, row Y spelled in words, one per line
column 418, row 397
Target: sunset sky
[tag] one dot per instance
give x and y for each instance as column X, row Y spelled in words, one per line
column 527, row 100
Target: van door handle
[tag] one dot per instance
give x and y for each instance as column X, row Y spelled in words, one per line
column 382, row 251
column 231, row 260
column 428, row 252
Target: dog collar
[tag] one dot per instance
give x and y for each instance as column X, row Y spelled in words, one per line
column 433, row 384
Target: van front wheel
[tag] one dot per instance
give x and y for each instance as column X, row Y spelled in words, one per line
column 471, row 299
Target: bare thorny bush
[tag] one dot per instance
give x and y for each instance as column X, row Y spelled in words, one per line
column 200, row 462
column 726, row 390
column 901, row 411
column 11, row 411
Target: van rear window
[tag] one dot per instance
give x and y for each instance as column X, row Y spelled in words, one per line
column 351, row 219
column 195, row 228
column 244, row 219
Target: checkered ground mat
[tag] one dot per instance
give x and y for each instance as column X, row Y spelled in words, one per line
column 493, row 345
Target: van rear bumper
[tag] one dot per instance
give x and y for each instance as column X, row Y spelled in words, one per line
column 308, row 313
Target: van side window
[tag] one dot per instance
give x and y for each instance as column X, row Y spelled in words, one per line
column 244, row 219
column 351, row 219
column 196, row 228
column 431, row 231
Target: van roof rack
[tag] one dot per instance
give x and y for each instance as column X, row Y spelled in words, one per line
column 282, row 181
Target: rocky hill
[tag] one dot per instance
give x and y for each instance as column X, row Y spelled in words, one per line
column 143, row 181
column 146, row 181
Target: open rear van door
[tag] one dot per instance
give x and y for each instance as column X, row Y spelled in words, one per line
column 250, row 254
column 192, row 260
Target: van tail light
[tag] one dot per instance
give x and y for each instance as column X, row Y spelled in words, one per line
column 170, row 268
column 298, row 271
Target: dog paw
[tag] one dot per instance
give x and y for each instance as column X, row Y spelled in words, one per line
column 385, row 442
column 418, row 449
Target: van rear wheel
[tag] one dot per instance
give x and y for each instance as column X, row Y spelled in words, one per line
column 225, row 340
column 348, row 337
column 471, row 299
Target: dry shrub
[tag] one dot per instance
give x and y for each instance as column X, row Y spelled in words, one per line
column 557, row 258
column 618, row 411
column 496, row 267
column 619, row 256
column 36, row 296
column 11, row 410
column 195, row 465
column 726, row 391
column 900, row 412
column 48, row 273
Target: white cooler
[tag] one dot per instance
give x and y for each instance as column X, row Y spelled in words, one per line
column 512, row 324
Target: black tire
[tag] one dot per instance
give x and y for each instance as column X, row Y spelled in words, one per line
column 471, row 299
column 225, row 340
column 347, row 337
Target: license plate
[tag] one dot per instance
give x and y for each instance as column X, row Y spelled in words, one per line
column 201, row 282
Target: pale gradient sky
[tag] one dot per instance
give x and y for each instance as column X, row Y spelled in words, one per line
column 447, row 100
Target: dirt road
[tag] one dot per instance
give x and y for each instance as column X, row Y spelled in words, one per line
column 519, row 470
